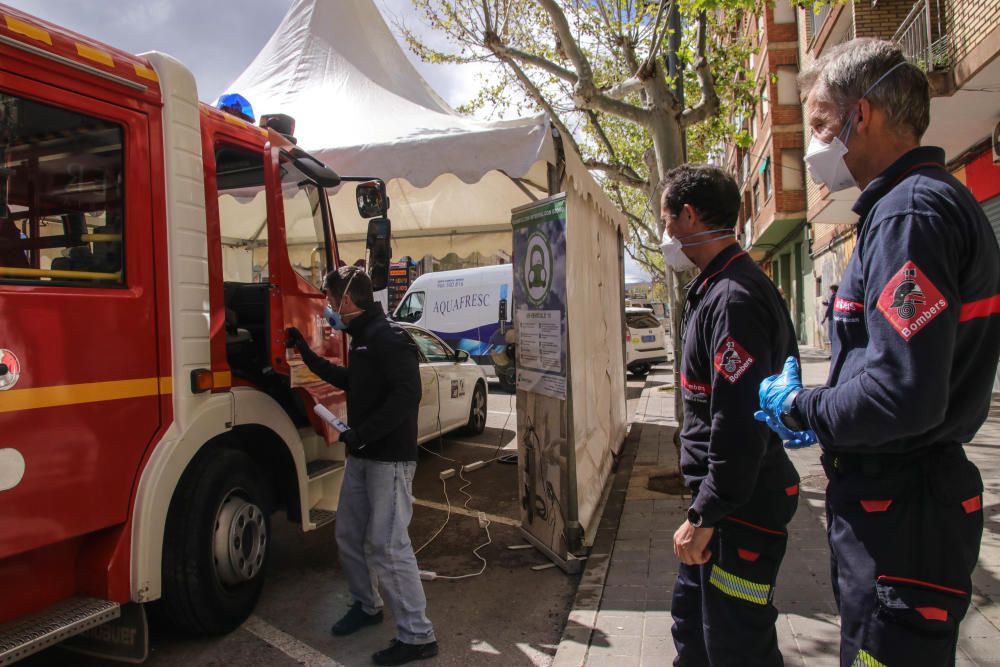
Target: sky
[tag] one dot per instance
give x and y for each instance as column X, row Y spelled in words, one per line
column 216, row 40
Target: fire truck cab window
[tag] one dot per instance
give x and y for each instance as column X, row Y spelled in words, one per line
column 242, row 214
column 305, row 227
column 239, row 175
column 61, row 196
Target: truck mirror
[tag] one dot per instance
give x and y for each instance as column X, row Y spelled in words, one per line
column 372, row 200
column 379, row 251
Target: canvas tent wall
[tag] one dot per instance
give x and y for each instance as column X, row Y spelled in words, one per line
column 362, row 108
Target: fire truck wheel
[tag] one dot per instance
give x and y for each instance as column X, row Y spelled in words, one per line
column 216, row 543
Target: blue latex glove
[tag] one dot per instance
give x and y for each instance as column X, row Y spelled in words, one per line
column 791, row 439
column 775, row 390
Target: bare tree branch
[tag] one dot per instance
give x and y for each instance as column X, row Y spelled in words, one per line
column 646, row 69
column 595, row 122
column 619, row 173
column 585, row 93
column 533, row 91
column 493, row 42
column 708, row 105
column 623, row 88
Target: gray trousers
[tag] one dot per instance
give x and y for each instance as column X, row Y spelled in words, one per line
column 376, row 503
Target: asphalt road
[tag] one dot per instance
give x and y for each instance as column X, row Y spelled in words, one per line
column 510, row 615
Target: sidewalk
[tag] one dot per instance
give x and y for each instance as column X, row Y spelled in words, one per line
column 621, row 614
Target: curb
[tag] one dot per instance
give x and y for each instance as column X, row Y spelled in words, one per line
column 575, row 640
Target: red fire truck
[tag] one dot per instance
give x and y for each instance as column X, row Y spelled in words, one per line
column 153, row 250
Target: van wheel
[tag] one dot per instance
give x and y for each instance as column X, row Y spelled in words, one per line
column 477, row 412
column 216, row 543
column 508, row 379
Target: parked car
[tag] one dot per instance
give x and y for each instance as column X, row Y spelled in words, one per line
column 454, row 388
column 645, row 341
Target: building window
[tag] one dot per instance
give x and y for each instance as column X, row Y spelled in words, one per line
column 756, row 198
column 765, row 104
column 753, row 126
column 788, row 89
column 766, row 170
column 748, row 233
column 792, row 175
column 817, row 17
column 784, row 12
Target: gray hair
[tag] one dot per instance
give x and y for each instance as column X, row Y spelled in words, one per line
column 846, row 71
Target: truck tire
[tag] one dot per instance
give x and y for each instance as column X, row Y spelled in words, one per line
column 477, row 412
column 216, row 543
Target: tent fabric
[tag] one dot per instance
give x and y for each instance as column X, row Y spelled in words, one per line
column 362, row 108
column 360, row 105
column 596, row 352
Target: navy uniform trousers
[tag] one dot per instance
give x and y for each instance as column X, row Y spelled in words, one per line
column 904, row 534
column 723, row 611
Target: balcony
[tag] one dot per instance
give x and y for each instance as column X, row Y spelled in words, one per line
column 921, row 37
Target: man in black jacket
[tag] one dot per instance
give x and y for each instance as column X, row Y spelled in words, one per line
column 382, row 381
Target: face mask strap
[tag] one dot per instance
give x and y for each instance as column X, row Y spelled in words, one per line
column 850, row 119
column 341, row 304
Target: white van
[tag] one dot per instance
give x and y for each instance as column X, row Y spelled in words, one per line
column 470, row 309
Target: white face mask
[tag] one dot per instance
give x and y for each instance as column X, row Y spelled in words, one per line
column 826, row 160
column 673, row 254
column 673, row 248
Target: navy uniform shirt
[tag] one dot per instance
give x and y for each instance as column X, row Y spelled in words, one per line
column 737, row 333
column 916, row 331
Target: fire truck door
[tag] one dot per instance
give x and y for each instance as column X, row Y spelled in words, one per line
column 80, row 402
column 301, row 254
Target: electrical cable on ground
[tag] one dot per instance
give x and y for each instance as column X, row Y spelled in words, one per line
column 483, row 521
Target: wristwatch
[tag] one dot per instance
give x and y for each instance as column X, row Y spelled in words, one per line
column 790, row 415
column 694, row 517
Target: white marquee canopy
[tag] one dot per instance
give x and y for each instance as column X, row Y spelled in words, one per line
column 362, row 108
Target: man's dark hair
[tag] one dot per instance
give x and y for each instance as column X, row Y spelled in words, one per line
column 835, row 287
column 709, row 190
column 361, row 285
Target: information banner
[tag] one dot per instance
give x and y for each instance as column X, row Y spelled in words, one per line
column 540, row 296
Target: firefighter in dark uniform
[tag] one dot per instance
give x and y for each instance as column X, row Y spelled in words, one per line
column 745, row 490
column 916, row 342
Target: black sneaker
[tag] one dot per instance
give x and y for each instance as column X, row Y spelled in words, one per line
column 355, row 619
column 400, row 653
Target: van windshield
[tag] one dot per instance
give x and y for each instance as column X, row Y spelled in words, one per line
column 411, row 309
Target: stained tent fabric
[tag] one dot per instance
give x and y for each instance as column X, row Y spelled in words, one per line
column 361, row 107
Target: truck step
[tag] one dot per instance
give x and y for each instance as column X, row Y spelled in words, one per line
column 322, row 467
column 320, row 518
column 30, row 634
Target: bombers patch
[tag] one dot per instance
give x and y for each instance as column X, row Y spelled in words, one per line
column 910, row 301
column 732, row 361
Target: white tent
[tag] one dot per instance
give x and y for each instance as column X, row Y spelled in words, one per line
column 362, row 108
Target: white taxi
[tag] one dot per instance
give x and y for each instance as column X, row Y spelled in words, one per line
column 645, row 341
column 453, row 388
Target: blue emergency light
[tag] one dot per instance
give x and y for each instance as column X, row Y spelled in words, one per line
column 237, row 105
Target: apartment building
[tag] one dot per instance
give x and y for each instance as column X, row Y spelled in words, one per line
column 957, row 43
column 770, row 172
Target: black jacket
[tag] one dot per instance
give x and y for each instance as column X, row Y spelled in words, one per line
column 737, row 333
column 916, row 325
column 382, row 381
